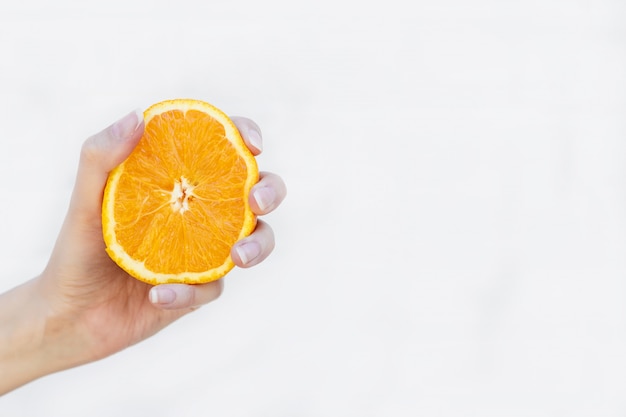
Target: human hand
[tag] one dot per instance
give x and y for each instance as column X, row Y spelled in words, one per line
column 91, row 307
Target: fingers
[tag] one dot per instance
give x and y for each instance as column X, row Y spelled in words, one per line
column 99, row 155
column 181, row 296
column 251, row 134
column 267, row 194
column 255, row 248
column 270, row 191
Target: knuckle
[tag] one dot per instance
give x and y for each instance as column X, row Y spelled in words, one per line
column 218, row 289
column 206, row 293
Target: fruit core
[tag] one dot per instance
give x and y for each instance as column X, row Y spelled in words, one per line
column 182, row 194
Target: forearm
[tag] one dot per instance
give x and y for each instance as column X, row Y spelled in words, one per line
column 24, row 352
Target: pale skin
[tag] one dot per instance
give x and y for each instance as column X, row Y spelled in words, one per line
column 83, row 307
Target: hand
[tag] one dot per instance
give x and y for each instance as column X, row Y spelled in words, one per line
column 91, row 308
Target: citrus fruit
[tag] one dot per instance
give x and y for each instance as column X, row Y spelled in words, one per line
column 174, row 208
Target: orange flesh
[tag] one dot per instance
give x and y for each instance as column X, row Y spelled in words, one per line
column 182, row 189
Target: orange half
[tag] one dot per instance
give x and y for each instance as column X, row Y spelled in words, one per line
column 174, row 208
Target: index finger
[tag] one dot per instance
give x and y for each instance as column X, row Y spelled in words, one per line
column 250, row 132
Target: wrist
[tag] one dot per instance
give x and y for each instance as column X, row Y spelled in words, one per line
column 31, row 344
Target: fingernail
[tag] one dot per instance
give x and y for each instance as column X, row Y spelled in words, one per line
column 255, row 139
column 160, row 295
column 139, row 114
column 264, row 197
column 248, row 251
column 127, row 125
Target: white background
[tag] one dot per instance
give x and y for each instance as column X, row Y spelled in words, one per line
column 454, row 236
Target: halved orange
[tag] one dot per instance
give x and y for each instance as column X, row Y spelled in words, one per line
column 174, row 208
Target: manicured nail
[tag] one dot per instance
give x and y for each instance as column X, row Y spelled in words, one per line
column 248, row 251
column 264, row 197
column 160, row 295
column 255, row 139
column 126, row 126
column 139, row 115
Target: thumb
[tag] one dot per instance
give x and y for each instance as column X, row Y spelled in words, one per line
column 99, row 155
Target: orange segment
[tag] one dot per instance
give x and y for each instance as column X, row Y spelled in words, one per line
column 173, row 210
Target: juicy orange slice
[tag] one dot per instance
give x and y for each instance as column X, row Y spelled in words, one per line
column 174, row 208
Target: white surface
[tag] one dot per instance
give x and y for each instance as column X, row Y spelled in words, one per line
column 453, row 240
